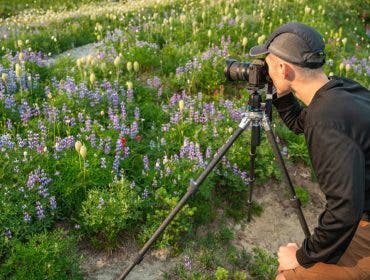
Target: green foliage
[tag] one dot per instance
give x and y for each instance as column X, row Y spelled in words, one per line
column 108, row 211
column 302, row 194
column 221, row 274
column 239, row 275
column 51, row 255
column 29, row 204
column 8, row 9
column 263, row 265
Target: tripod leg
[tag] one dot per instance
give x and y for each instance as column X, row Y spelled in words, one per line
column 193, row 187
column 255, row 141
column 294, row 199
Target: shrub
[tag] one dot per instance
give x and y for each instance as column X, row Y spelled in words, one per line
column 50, row 255
column 106, row 212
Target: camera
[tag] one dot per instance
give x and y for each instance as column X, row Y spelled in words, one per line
column 255, row 73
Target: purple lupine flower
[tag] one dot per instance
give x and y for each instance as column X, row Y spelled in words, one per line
column 25, row 111
column 88, row 124
column 126, row 152
column 9, row 101
column 26, row 217
column 9, row 124
column 134, row 129
column 130, row 94
column 116, row 164
column 187, row 263
column 92, row 139
column 40, row 213
column 8, row 233
column 123, row 111
column 208, row 152
column 107, row 145
column 53, row 203
column 43, row 191
column 156, row 82
column 137, row 113
column 114, row 99
column 168, row 170
column 103, row 163
column 146, row 163
column 145, row 194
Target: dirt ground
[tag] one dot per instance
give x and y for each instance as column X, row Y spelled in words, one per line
column 277, row 225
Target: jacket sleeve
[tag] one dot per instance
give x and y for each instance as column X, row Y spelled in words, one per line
column 340, row 169
column 290, row 112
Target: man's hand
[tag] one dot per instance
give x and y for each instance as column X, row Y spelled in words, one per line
column 287, row 257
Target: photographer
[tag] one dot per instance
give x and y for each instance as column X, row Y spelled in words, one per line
column 336, row 125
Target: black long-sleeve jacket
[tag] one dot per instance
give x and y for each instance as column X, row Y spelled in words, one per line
column 336, row 125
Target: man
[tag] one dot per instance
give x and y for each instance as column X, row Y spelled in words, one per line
column 336, row 125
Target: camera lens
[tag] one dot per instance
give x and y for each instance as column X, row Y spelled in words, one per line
column 236, row 70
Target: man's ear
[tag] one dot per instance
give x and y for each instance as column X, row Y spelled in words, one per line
column 287, row 71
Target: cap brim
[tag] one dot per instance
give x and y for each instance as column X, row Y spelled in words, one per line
column 258, row 50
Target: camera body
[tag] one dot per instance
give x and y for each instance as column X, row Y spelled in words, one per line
column 255, row 73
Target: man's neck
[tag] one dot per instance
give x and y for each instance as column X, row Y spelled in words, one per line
column 306, row 89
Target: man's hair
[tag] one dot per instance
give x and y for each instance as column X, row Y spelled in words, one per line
column 305, row 72
column 308, row 72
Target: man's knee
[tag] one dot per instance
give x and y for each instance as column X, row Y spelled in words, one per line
column 280, row 276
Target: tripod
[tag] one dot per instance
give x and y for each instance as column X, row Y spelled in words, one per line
column 259, row 115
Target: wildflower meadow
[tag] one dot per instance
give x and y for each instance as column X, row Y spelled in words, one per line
column 100, row 147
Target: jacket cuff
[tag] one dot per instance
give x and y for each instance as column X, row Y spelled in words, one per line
column 302, row 259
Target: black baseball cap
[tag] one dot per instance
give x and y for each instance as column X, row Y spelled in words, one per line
column 296, row 43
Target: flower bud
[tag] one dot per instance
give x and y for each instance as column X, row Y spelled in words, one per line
column 348, row 67
column 88, row 59
column 117, row 61
column 92, row 77
column 341, row 66
column 261, row 39
column 83, row 151
column 78, row 145
column 129, row 66
column 129, row 85
column 18, row 70
column 4, row 77
column 181, row 105
column 136, row 66
column 21, row 56
column 245, row 41
column 307, row 10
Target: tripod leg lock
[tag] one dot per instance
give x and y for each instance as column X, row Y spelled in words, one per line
column 192, row 186
column 296, row 203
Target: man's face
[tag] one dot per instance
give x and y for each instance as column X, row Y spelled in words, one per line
column 276, row 73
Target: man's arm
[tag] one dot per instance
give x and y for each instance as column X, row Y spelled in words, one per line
column 340, row 167
column 290, row 112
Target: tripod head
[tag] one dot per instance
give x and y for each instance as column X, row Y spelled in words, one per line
column 255, row 100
